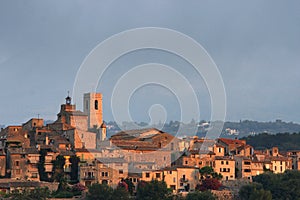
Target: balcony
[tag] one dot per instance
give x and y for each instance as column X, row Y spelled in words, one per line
column 184, row 180
column 87, row 178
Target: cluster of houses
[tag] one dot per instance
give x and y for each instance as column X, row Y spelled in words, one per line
column 138, row 155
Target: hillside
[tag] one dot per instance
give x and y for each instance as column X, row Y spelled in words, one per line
column 284, row 141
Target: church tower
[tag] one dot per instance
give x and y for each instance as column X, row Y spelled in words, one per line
column 92, row 107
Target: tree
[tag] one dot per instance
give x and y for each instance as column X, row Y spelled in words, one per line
column 74, row 167
column 209, row 171
column 104, row 192
column 210, row 184
column 58, row 168
column 99, row 192
column 281, row 186
column 130, row 185
column 254, row 191
column 41, row 166
column 36, row 194
column 153, row 190
column 207, row 195
column 120, row 193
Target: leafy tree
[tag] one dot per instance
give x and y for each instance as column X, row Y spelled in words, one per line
column 58, row 168
column 254, row 191
column 41, row 166
column 74, row 167
column 209, row 171
column 104, row 192
column 207, row 195
column 120, row 193
column 99, row 192
column 153, row 190
column 210, row 184
column 36, row 194
column 281, row 186
column 130, row 185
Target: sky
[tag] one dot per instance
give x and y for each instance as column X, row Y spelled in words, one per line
column 255, row 45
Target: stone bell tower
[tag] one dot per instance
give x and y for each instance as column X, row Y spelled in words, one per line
column 92, row 107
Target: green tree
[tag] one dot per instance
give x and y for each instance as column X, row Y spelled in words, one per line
column 36, row 194
column 120, row 194
column 130, row 186
column 207, row 195
column 74, row 167
column 99, row 192
column 254, row 191
column 58, row 168
column 41, row 166
column 281, row 186
column 209, row 171
column 153, row 190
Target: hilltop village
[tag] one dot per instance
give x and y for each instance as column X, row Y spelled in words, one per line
column 76, row 145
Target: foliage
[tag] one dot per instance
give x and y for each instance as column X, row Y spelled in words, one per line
column 74, row 167
column 36, row 194
column 254, row 191
column 41, row 166
column 130, row 185
column 207, row 195
column 77, row 189
column 104, row 192
column 210, row 184
column 209, row 171
column 153, row 190
column 284, row 141
column 281, row 186
column 58, row 168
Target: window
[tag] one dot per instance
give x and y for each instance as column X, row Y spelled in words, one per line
column 174, row 180
column 281, row 168
column 222, row 162
column 34, row 175
column 228, row 169
column 227, row 163
column 157, row 175
column 220, row 150
column 17, row 163
column 104, row 174
column 247, row 170
column 247, row 163
column 147, row 175
column 170, row 172
column 121, row 171
column 186, row 162
column 275, row 168
column 18, row 171
column 96, row 104
column 200, row 163
column 220, row 169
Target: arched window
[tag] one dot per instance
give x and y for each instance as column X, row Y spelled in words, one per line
column 96, row 104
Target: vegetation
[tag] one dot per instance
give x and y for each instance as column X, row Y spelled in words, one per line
column 105, row 192
column 153, row 190
column 36, row 194
column 254, row 191
column 74, row 167
column 209, row 171
column 273, row 186
column 58, row 168
column 207, row 195
column 284, row 141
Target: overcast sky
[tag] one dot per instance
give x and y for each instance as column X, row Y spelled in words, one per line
column 255, row 45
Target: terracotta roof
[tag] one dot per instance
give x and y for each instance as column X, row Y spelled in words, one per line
column 231, row 141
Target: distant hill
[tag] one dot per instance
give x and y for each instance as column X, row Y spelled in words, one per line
column 231, row 129
column 247, row 127
column 284, row 141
